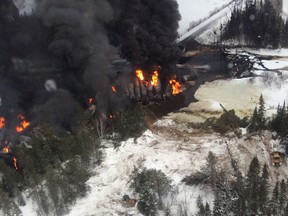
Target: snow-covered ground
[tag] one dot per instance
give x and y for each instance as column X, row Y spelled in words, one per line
column 191, row 10
column 242, row 95
column 152, row 150
column 178, row 150
column 269, row 52
column 210, row 27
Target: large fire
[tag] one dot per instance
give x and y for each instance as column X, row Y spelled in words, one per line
column 154, row 80
column 176, row 86
column 24, row 124
column 140, row 75
column 2, row 122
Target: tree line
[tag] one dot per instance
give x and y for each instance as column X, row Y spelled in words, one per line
column 52, row 173
column 242, row 195
column 259, row 24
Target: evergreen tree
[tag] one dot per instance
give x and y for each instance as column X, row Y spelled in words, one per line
column 274, row 202
column 232, row 28
column 254, row 121
column 252, row 187
column 258, row 121
column 286, row 210
column 239, row 205
column 147, row 204
column 7, row 205
column 277, row 124
column 207, row 209
column 211, row 162
column 261, row 113
column 264, row 190
column 218, row 209
column 152, row 185
column 200, row 206
column 285, row 34
column 259, row 24
column 282, row 197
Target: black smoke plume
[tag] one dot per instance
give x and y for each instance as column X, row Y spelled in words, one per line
column 52, row 61
column 145, row 31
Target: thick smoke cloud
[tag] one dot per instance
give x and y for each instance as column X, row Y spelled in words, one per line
column 146, row 30
column 80, row 38
column 71, row 42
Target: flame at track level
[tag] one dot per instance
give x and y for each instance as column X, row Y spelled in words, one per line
column 114, row 89
column 139, row 74
column 90, row 100
column 24, row 124
column 154, row 80
column 2, row 122
column 176, row 86
column 15, row 163
column 6, row 149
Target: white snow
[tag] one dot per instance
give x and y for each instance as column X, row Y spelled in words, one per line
column 278, row 64
column 176, row 152
column 191, row 10
column 29, row 209
column 25, row 6
column 179, row 151
column 242, row 95
column 210, row 23
column 285, row 9
column 152, row 150
column 269, row 52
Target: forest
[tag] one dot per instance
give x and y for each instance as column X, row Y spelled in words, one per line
column 258, row 25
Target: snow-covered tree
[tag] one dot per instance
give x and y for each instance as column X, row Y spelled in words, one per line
column 218, row 209
column 252, row 187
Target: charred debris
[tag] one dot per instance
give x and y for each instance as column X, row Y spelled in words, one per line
column 82, row 55
column 102, row 57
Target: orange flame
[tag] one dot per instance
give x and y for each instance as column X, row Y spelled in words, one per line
column 114, row 89
column 90, row 100
column 139, row 74
column 15, row 163
column 154, row 80
column 2, row 122
column 24, row 124
column 176, row 86
column 6, row 149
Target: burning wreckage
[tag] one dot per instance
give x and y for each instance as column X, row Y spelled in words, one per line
column 6, row 144
column 130, row 86
column 143, row 85
column 127, row 84
column 59, row 59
